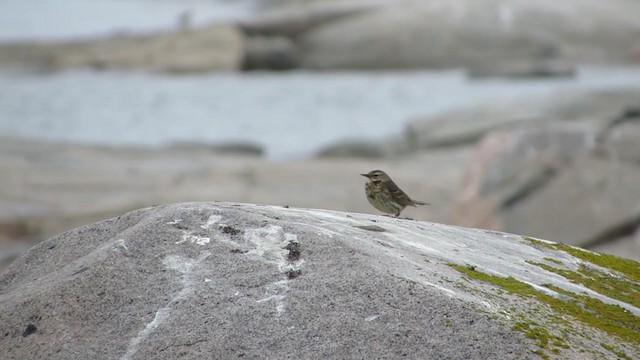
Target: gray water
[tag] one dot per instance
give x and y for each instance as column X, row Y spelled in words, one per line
column 291, row 114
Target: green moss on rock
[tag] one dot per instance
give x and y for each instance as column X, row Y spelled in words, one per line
column 620, row 354
column 543, row 338
column 630, row 268
column 555, row 261
column 611, row 319
column 611, row 286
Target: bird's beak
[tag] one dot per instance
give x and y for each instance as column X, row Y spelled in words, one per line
column 365, row 175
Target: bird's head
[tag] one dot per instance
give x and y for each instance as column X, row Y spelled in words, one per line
column 377, row 176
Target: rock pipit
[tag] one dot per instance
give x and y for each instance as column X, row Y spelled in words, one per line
column 385, row 195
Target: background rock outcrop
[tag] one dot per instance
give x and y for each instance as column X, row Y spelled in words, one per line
column 513, row 38
column 464, row 34
column 217, row 47
column 573, row 179
column 226, row 280
column 468, row 125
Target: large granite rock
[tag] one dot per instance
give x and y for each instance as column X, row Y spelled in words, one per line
column 217, row 47
column 221, row 280
column 472, row 34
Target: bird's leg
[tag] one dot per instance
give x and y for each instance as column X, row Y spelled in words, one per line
column 396, row 215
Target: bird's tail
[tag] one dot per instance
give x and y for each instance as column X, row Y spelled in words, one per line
column 416, row 202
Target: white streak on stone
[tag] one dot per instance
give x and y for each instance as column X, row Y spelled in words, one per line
column 541, row 240
column 185, row 267
column 371, row 318
column 201, row 240
column 212, row 220
column 160, row 317
column 270, row 246
column 443, row 289
column 174, row 222
column 194, row 239
column 323, row 231
column 276, row 292
column 269, row 298
column 291, row 237
column 489, row 306
column 122, row 243
column 542, row 289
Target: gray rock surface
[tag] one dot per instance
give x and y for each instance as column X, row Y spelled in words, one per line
column 472, row 34
column 526, row 156
column 595, row 195
column 621, row 139
column 468, row 125
column 221, row 280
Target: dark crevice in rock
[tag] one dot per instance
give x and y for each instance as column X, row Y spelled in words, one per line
column 627, row 115
column 230, row 230
column 293, row 256
column 292, row 274
column 530, row 187
column 624, row 229
column 80, row 270
column 180, row 226
column 374, row 228
column 294, row 251
column 30, row 330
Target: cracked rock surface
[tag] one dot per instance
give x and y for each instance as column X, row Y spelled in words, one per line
column 225, row 280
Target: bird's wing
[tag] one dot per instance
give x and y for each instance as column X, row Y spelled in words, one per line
column 398, row 195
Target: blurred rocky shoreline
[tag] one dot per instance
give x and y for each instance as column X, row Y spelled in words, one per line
column 564, row 167
column 487, row 38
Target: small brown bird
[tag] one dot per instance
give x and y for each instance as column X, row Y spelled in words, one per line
column 385, row 195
